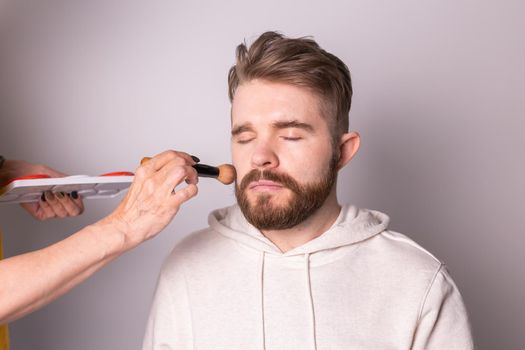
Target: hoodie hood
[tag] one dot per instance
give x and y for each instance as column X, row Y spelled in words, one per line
column 353, row 225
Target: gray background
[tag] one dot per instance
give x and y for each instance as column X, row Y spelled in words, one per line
column 92, row 86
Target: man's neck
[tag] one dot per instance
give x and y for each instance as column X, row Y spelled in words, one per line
column 309, row 229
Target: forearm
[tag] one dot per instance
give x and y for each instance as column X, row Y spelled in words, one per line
column 30, row 281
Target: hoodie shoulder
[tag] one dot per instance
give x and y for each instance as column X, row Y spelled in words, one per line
column 403, row 253
column 202, row 245
column 203, row 241
column 407, row 243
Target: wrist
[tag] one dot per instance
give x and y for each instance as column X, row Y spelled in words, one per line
column 111, row 235
column 118, row 231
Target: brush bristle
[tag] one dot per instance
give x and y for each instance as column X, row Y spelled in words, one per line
column 227, row 174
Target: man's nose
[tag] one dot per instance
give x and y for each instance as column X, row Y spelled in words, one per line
column 264, row 157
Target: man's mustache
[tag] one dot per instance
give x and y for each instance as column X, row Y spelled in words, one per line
column 281, row 178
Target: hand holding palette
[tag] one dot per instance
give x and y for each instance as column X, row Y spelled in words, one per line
column 30, row 188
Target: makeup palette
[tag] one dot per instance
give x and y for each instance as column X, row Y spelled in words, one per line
column 30, row 188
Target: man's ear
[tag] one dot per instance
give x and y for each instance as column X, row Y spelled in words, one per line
column 348, row 146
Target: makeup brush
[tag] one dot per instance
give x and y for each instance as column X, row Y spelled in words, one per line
column 225, row 173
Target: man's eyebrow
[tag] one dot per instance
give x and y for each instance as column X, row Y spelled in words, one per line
column 293, row 124
column 242, row 128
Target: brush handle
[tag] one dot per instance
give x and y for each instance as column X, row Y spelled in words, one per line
column 207, row 170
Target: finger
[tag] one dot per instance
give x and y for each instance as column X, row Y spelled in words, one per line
column 188, row 158
column 191, row 159
column 193, row 176
column 33, row 208
column 44, row 210
column 184, row 194
column 71, row 207
column 174, row 175
column 77, row 199
column 171, row 172
column 166, row 179
column 161, row 159
column 53, row 200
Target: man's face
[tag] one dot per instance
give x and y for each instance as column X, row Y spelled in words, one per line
column 283, row 154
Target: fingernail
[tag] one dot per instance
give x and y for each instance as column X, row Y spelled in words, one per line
column 59, row 194
column 48, row 195
column 43, row 197
column 195, row 159
column 74, row 194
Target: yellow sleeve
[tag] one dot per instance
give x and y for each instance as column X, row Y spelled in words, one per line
column 4, row 335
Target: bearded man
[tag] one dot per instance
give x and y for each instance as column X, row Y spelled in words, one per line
column 288, row 267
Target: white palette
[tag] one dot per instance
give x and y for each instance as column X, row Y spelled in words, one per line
column 30, row 190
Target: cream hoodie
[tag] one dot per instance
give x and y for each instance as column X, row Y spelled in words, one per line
column 357, row 286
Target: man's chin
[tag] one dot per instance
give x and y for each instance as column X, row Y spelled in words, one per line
column 269, row 200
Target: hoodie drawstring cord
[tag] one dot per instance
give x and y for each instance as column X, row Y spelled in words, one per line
column 310, row 299
column 263, row 336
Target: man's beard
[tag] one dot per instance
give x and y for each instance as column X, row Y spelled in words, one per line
column 305, row 199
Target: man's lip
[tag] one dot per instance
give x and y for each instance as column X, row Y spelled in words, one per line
column 265, row 184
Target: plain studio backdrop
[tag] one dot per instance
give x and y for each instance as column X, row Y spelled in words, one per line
column 90, row 87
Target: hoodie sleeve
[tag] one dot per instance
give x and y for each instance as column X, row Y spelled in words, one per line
column 443, row 321
column 169, row 323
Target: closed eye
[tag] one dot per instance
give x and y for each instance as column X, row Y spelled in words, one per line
column 244, row 141
column 290, row 138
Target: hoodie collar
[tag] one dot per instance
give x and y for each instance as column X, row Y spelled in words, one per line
column 352, row 226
